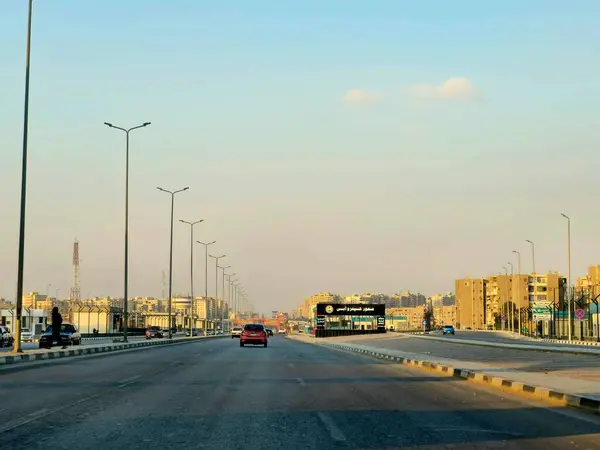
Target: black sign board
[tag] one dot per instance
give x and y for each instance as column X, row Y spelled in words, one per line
column 381, row 322
column 320, row 321
column 337, row 309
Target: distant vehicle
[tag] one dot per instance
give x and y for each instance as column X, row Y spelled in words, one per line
column 195, row 332
column 219, row 331
column 210, row 333
column 68, row 334
column 269, row 331
column 448, row 329
column 26, row 335
column 236, row 332
column 154, row 332
column 254, row 334
column 281, row 331
column 6, row 337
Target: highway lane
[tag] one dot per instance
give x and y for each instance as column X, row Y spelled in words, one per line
column 214, row 394
column 563, row 364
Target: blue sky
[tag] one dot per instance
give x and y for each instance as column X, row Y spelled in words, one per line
column 303, row 191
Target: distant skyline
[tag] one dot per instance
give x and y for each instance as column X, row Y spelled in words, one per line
column 335, row 146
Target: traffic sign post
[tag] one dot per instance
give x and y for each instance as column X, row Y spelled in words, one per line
column 579, row 314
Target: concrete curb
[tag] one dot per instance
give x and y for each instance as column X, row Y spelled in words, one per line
column 111, row 348
column 504, row 384
column 563, row 342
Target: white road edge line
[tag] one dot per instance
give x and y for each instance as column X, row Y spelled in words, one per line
column 300, row 381
column 334, row 432
column 128, row 381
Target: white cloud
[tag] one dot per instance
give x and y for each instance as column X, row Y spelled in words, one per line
column 360, row 97
column 455, row 88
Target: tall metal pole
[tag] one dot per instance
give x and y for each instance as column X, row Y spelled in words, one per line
column 511, row 327
column 569, row 294
column 191, row 224
column 126, row 256
column 21, row 263
column 518, row 289
column 217, row 258
column 206, row 244
column 534, row 276
column 223, row 300
column 171, row 255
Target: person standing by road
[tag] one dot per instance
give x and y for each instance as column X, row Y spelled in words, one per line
column 56, row 326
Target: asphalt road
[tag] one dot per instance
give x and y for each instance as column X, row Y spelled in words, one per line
column 565, row 364
column 214, row 394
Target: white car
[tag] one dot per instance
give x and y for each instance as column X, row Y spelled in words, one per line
column 236, row 332
column 26, row 335
column 281, row 331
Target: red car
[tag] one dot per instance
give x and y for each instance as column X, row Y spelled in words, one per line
column 254, row 334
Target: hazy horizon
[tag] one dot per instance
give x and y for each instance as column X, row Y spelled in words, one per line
column 339, row 146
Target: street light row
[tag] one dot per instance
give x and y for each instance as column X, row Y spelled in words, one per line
column 569, row 299
column 23, row 200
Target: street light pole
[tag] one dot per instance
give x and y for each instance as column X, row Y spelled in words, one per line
column 191, row 224
column 518, row 289
column 224, row 298
column 172, row 193
column 534, row 275
column 217, row 258
column 21, row 263
column 126, row 258
column 569, row 296
column 206, row 244
column 511, row 327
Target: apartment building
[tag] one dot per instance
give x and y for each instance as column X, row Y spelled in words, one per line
column 444, row 315
column 35, row 300
column 322, row 297
column 471, row 303
column 502, row 292
column 545, row 289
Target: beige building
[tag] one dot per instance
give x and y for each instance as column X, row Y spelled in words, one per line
column 322, row 297
column 444, row 315
column 470, row 303
column 546, row 288
column 502, row 292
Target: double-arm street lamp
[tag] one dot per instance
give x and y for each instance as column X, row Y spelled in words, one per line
column 217, row 258
column 191, row 224
column 126, row 259
column 172, row 193
column 223, row 299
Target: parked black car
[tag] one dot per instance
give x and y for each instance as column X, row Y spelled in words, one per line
column 68, row 334
column 6, row 337
column 154, row 332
